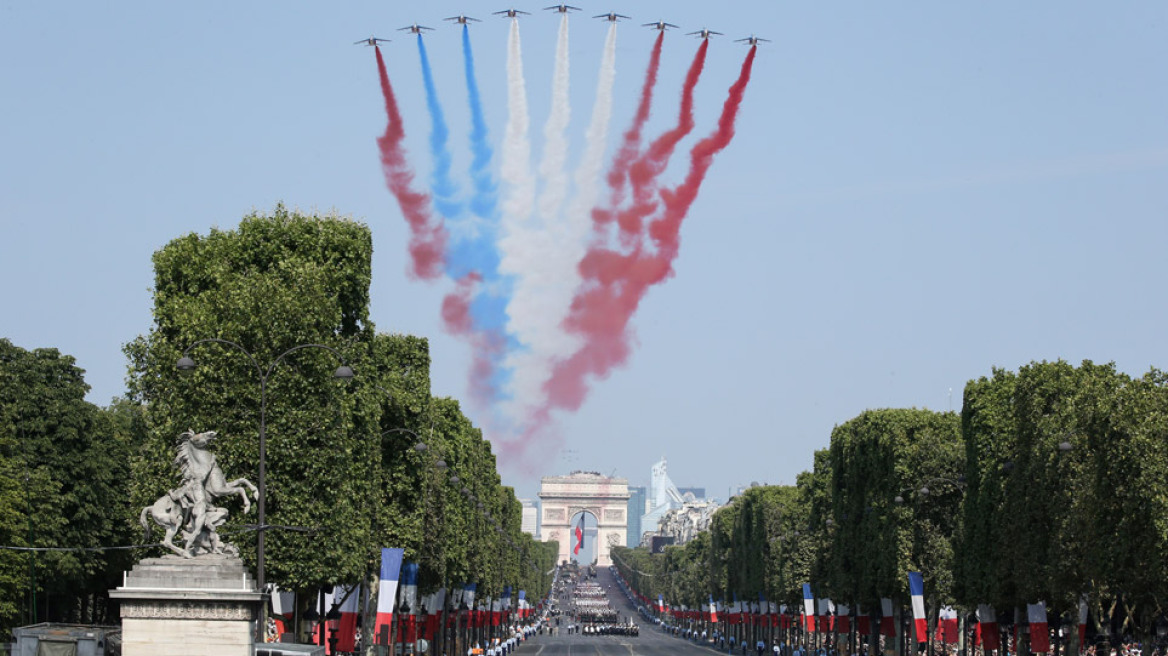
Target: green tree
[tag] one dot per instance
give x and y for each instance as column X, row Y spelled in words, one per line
column 65, row 467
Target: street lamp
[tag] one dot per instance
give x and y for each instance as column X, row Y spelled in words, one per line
column 344, row 372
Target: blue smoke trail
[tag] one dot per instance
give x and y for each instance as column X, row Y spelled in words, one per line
column 478, row 251
column 441, row 185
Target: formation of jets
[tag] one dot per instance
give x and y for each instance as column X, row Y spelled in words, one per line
column 659, row 25
column 561, row 8
column 414, row 29
column 371, row 41
column 752, row 40
column 704, row 33
column 611, row 16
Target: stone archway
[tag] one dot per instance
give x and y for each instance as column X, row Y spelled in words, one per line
column 563, row 497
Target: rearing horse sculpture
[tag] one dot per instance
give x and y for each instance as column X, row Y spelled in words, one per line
column 188, row 507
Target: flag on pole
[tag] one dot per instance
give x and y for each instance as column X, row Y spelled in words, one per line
column 916, row 587
column 987, row 626
column 391, row 561
column 808, row 607
column 713, row 610
column 409, row 602
column 1039, row 631
column 887, row 619
column 863, row 622
column 826, row 608
column 283, row 604
column 346, row 630
column 843, row 619
column 579, row 536
column 947, row 625
column 1082, row 621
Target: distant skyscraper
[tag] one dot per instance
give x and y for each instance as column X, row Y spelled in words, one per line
column 637, row 498
column 530, row 521
column 663, row 497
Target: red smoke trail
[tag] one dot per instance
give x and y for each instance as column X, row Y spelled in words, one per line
column 615, row 283
column 485, row 346
column 632, row 138
column 648, row 167
column 427, row 238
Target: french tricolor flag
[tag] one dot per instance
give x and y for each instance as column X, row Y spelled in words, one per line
column 808, row 607
column 916, row 587
column 283, row 604
column 1082, row 621
column 661, row 603
column 1039, row 630
column 346, row 630
column 843, row 619
column 391, row 561
column 947, row 625
column 409, row 600
column 887, row 619
column 713, row 610
column 987, row 626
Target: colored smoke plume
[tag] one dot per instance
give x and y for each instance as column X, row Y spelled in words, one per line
column 486, row 346
column 648, row 167
column 544, row 294
column 615, row 283
column 427, row 237
column 552, row 168
column 444, row 189
column 631, row 143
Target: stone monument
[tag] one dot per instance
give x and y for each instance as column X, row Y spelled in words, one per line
column 200, row 600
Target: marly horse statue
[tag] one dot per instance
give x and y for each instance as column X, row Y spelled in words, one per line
column 188, row 508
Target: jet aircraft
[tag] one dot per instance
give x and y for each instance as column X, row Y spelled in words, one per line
column 562, row 8
column 611, row 16
column 752, row 40
column 511, row 13
column 462, row 20
column 371, row 41
column 659, row 25
column 414, row 29
column 704, row 33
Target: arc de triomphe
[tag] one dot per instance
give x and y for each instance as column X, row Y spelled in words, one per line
column 607, row 499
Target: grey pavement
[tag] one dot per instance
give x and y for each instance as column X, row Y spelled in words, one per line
column 652, row 641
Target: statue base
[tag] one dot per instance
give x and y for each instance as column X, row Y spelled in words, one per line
column 173, row 606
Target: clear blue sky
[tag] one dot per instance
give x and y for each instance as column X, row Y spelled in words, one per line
column 918, row 192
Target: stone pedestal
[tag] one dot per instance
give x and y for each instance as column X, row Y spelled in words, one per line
column 174, row 606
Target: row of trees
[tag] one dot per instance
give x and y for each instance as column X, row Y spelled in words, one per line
column 351, row 466
column 1051, row 484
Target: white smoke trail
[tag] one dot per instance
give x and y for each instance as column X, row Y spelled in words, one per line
column 516, row 156
column 564, row 251
column 553, row 167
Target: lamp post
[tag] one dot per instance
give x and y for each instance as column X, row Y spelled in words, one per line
column 343, row 372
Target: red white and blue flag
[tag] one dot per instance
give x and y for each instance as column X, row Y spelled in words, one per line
column 843, row 619
column 987, row 627
column 947, row 630
column 1039, row 630
column 407, row 632
column 579, row 536
column 391, row 561
column 887, row 620
column 808, row 607
column 1082, row 621
column 916, row 587
column 346, row 630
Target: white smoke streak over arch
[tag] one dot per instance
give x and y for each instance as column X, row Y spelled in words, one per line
column 564, row 248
